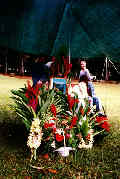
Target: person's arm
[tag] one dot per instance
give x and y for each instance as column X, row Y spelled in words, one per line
column 88, row 75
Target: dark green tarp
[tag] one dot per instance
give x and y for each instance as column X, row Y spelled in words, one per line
column 90, row 28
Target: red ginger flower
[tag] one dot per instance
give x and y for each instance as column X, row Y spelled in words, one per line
column 71, row 101
column 33, row 102
column 32, row 91
column 32, row 95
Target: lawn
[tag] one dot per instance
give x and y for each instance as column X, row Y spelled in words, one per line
column 102, row 161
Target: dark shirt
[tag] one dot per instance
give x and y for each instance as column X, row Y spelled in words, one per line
column 40, row 72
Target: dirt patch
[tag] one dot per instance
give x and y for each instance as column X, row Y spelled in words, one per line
column 17, row 76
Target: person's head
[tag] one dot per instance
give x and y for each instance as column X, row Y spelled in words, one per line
column 83, row 64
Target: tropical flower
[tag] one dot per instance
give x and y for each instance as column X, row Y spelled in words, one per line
column 35, row 137
column 53, row 109
column 103, row 122
column 59, row 137
column 59, row 120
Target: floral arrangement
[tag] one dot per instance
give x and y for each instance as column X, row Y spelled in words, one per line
column 56, row 120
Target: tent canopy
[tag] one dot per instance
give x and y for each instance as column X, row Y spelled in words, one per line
column 88, row 28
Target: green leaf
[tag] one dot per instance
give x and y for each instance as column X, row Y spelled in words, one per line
column 85, row 128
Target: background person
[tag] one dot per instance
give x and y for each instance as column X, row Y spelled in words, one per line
column 41, row 71
column 86, row 77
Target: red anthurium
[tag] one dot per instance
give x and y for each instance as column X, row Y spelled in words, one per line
column 67, row 136
column 51, row 124
column 59, row 137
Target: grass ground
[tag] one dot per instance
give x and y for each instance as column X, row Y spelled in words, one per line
column 103, row 161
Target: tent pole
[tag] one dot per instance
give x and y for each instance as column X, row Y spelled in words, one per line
column 6, row 65
column 69, row 51
column 22, row 65
column 106, row 64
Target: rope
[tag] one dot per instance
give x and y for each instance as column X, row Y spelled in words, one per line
column 114, row 66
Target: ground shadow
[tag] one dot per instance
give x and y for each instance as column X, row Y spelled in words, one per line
column 12, row 136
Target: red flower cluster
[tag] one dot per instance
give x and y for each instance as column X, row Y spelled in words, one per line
column 102, row 120
column 105, row 125
column 47, row 125
column 53, row 109
column 71, row 101
column 73, row 122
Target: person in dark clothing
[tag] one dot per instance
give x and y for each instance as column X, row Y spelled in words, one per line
column 40, row 71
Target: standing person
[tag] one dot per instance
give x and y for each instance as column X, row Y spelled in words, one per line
column 86, row 77
column 41, row 71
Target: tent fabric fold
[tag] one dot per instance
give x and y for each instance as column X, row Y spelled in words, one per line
column 89, row 28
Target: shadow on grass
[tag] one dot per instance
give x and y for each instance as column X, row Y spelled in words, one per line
column 12, row 136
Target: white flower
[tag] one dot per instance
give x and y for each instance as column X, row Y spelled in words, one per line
column 80, row 122
column 84, row 118
column 59, row 131
column 35, row 136
column 82, row 143
column 53, row 144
